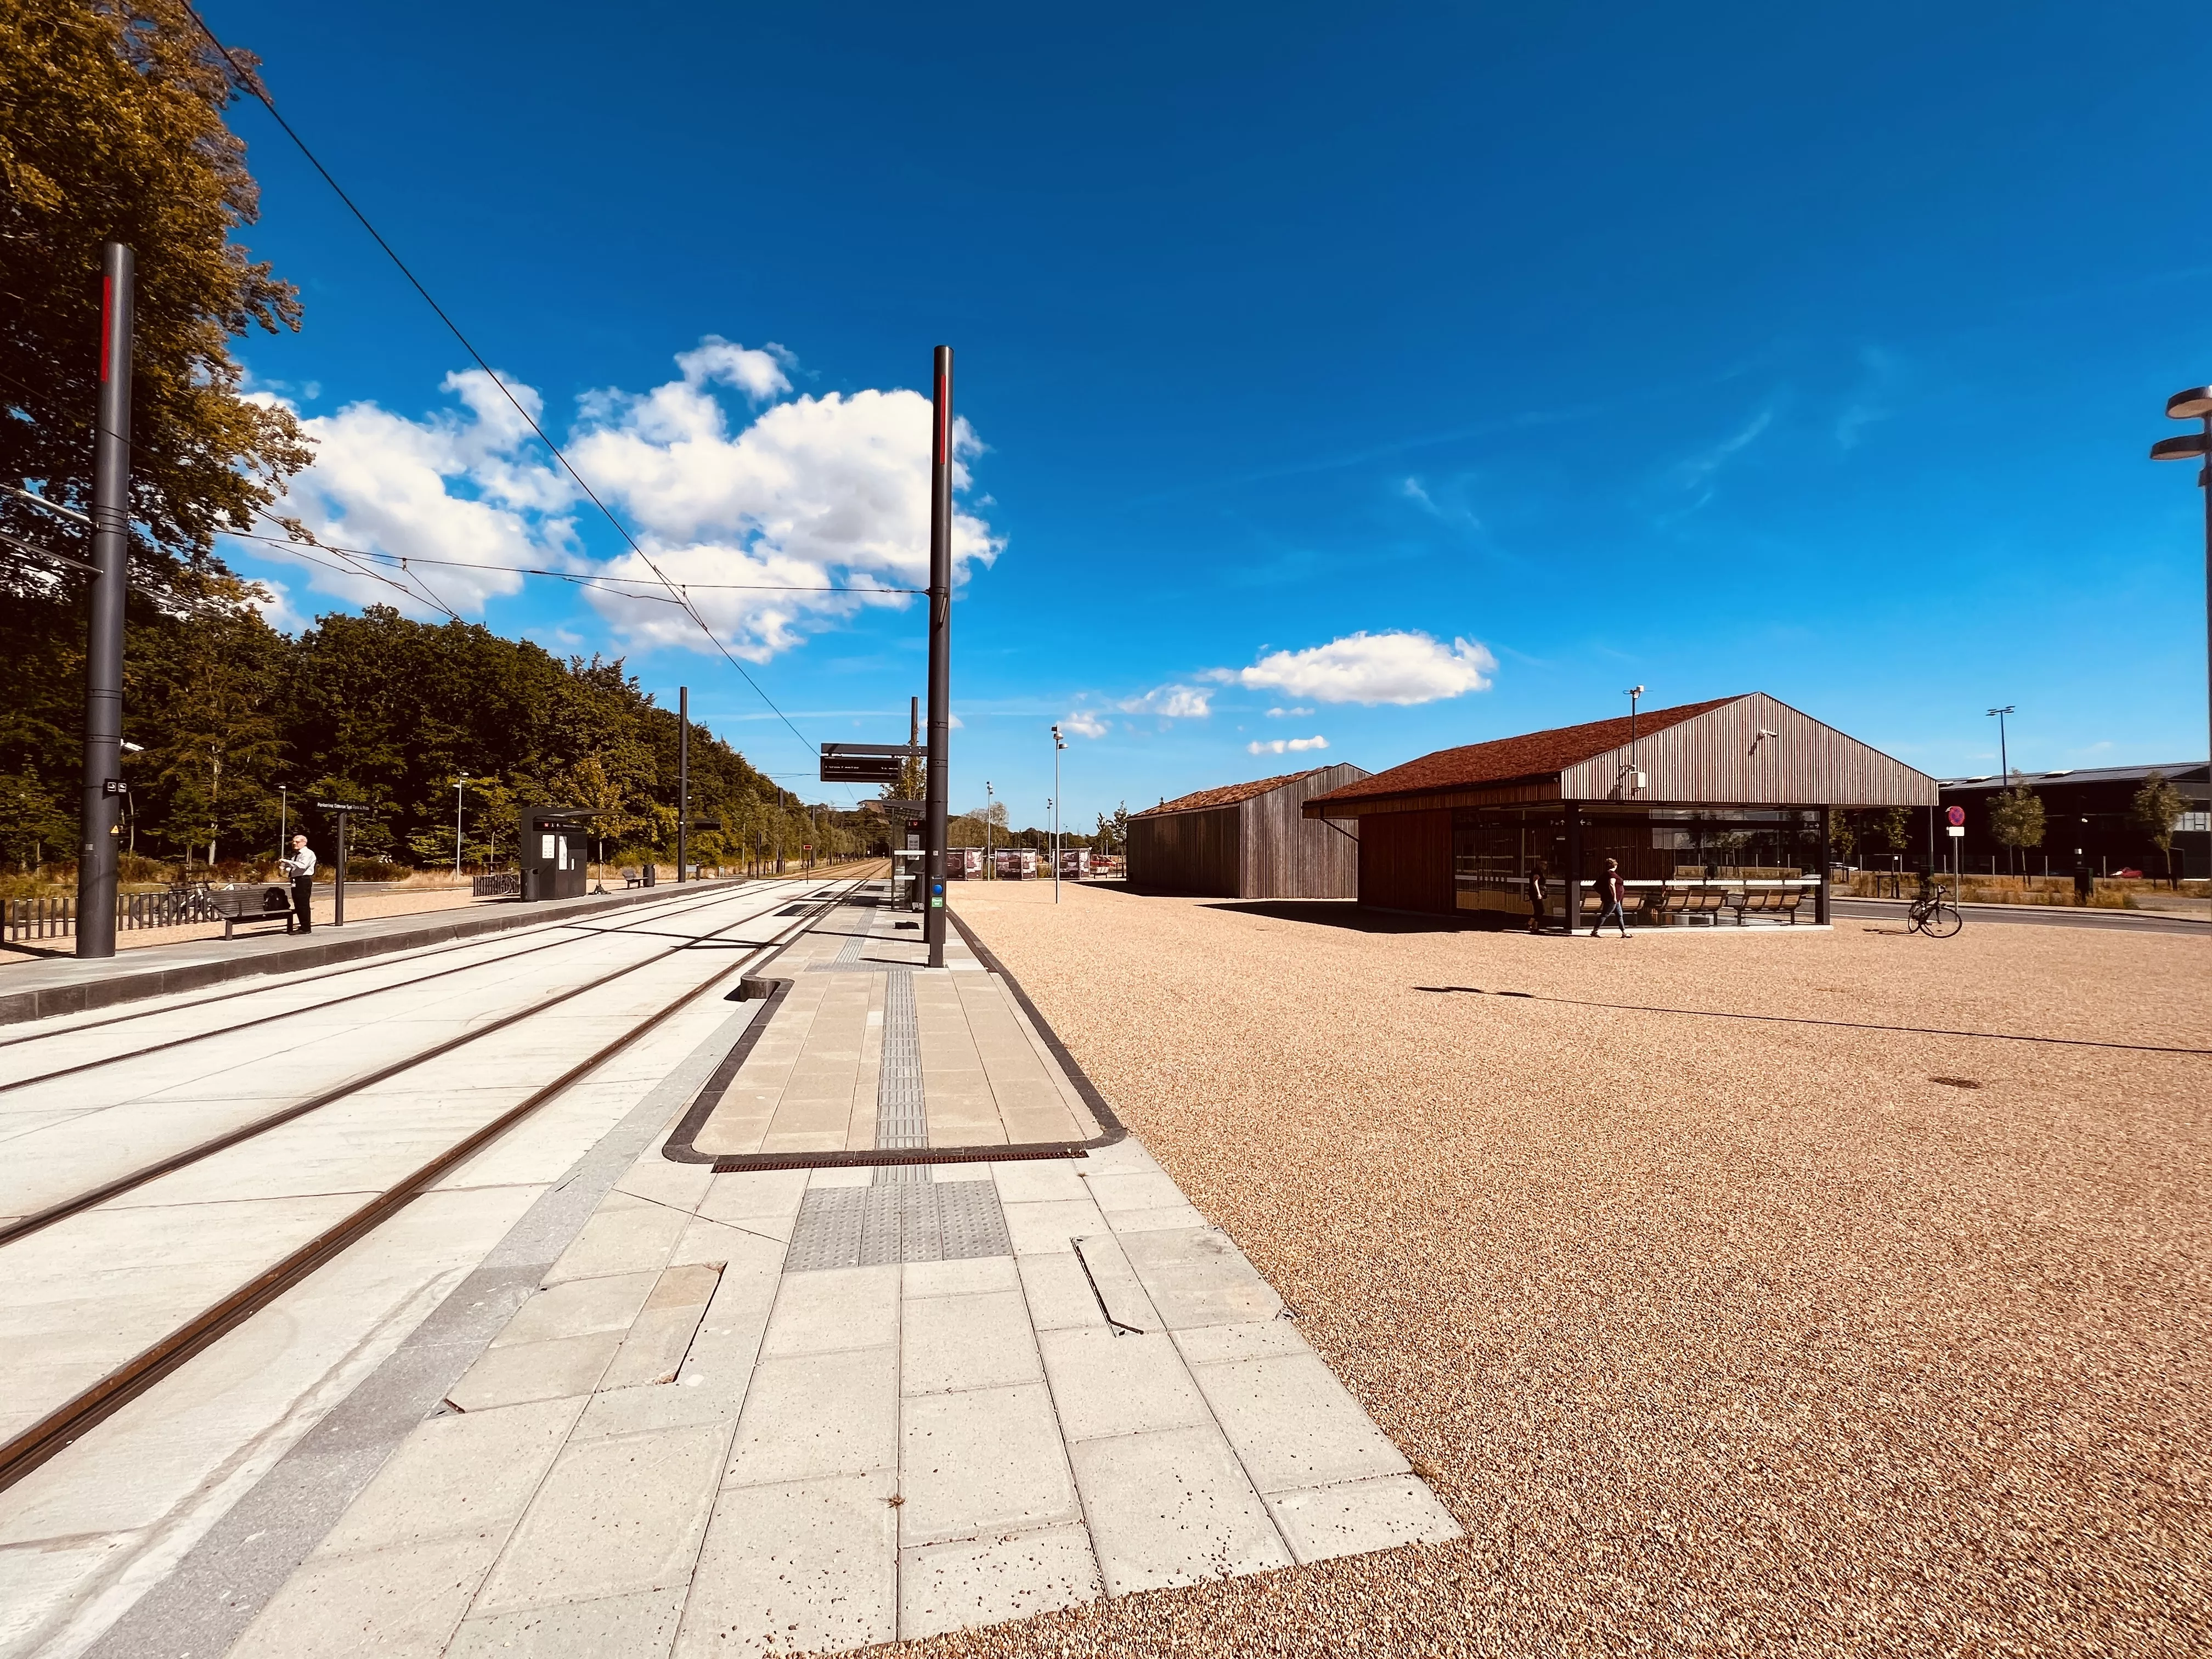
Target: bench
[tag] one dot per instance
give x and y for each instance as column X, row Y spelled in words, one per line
column 1700, row 901
column 249, row 907
column 1770, row 902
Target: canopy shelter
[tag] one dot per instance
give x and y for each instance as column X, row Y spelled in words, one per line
column 1730, row 797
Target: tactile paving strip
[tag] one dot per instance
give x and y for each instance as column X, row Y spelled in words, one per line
column 901, row 1119
column 899, row 1221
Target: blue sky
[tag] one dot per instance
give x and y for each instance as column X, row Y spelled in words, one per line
column 1428, row 374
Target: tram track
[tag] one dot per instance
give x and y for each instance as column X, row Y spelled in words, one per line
column 576, row 933
column 52, row 1432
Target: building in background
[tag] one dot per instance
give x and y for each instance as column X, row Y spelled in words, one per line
column 2088, row 817
column 1707, row 805
column 1247, row 840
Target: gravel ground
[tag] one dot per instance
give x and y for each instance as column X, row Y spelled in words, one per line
column 1716, row 1335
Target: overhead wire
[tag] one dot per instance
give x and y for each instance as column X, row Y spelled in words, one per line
column 252, row 84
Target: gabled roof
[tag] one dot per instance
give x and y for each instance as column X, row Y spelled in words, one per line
column 2178, row 773
column 1227, row 796
column 1532, row 755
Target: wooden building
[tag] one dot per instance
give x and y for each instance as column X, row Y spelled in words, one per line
column 1248, row 841
column 1730, row 797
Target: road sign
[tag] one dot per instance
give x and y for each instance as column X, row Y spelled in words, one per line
column 1958, row 829
column 1956, row 814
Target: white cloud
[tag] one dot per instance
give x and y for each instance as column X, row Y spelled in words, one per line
column 814, row 511
column 1083, row 724
column 1286, row 714
column 1287, row 746
column 1174, row 702
column 1402, row 667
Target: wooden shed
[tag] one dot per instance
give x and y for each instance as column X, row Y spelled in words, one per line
column 1732, row 795
column 1248, row 841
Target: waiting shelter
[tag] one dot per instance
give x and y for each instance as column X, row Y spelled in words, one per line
column 1715, row 811
column 1246, row 841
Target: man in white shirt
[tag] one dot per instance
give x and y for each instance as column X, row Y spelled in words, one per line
column 300, row 866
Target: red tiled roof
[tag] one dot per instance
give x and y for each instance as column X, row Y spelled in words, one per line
column 1228, row 796
column 1533, row 754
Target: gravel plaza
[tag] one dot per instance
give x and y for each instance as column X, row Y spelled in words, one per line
column 1775, row 1324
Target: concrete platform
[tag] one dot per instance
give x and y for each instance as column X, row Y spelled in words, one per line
column 777, row 1410
column 39, row 990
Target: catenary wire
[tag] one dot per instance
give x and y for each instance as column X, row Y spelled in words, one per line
column 252, row 83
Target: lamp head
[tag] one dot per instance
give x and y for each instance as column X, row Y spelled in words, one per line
column 2191, row 405
column 2188, row 448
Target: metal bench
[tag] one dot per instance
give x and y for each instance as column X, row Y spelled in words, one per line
column 251, row 906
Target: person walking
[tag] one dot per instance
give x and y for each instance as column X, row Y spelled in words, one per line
column 1536, row 894
column 1610, row 893
column 300, row 867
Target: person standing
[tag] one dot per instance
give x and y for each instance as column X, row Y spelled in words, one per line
column 1536, row 895
column 300, row 867
column 1611, row 891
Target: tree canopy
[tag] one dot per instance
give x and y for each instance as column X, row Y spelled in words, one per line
column 111, row 129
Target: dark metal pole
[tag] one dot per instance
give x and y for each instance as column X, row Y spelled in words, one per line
column 682, row 775
column 103, row 657
column 338, row 882
column 941, row 649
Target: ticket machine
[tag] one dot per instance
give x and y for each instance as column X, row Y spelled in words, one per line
column 554, row 852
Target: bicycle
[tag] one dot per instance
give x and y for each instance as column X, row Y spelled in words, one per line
column 1933, row 915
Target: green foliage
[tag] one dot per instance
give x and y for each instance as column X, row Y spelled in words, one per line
column 2016, row 816
column 110, row 127
column 373, row 708
column 2157, row 807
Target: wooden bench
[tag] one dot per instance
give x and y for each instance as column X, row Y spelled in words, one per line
column 1769, row 901
column 1700, row 901
column 251, row 906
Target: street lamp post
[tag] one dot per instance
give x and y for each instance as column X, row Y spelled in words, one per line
column 990, row 809
column 1059, row 743
column 2195, row 405
column 2004, row 760
column 457, row 788
column 284, row 818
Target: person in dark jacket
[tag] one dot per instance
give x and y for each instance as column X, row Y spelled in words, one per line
column 1536, row 895
column 1611, row 891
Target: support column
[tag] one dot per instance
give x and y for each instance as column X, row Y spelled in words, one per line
column 103, row 657
column 940, row 654
column 1573, row 883
column 1827, row 859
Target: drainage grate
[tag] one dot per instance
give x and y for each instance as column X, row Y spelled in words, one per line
column 903, row 1220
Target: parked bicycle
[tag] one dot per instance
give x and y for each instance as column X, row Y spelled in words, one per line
column 1933, row 915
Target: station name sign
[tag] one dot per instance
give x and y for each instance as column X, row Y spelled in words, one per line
column 345, row 806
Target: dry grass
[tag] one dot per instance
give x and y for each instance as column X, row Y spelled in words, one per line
column 1717, row 1335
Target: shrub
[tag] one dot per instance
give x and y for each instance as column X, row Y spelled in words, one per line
column 376, row 869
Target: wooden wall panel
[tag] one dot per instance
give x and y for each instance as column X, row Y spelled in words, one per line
column 1718, row 759
column 1287, row 855
column 1405, row 861
column 1191, row 853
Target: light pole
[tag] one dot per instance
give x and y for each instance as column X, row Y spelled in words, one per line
column 1635, row 770
column 457, row 788
column 2195, row 405
column 1059, row 743
column 2004, row 760
column 990, row 809
column 284, row 818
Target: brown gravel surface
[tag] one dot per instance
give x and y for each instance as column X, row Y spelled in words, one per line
column 1716, row 1335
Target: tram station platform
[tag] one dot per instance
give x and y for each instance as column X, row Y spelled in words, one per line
column 869, row 1320
column 70, row 985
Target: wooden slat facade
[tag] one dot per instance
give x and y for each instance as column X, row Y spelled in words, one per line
column 1264, row 847
column 1717, row 758
column 1405, row 861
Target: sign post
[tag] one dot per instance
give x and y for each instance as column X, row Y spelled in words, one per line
column 940, row 653
column 1958, row 817
column 345, row 809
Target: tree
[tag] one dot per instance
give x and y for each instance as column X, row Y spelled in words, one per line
column 206, row 689
column 111, row 128
column 2016, row 816
column 1843, row 836
column 2156, row 809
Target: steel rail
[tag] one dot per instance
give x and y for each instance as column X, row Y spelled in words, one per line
column 273, row 982
column 54, row 1432
column 579, row 935
column 23, row 1226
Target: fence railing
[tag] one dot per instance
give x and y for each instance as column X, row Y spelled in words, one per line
column 56, row 918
